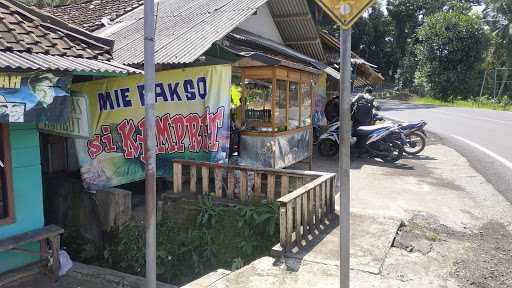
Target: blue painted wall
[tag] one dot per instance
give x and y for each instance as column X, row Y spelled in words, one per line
column 28, row 192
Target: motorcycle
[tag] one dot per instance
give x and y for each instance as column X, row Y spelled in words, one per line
column 415, row 135
column 379, row 141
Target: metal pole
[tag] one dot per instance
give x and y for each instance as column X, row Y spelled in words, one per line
column 150, row 141
column 495, row 82
column 483, row 84
column 344, row 168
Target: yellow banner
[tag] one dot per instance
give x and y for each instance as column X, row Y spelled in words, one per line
column 192, row 122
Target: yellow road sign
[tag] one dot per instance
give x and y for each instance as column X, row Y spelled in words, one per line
column 345, row 12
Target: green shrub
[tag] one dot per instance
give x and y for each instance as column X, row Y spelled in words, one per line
column 224, row 237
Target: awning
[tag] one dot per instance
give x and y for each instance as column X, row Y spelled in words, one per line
column 37, row 61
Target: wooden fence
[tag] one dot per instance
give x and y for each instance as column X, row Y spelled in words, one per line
column 306, row 198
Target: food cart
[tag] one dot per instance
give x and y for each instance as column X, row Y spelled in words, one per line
column 276, row 114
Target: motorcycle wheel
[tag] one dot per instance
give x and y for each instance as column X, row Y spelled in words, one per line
column 397, row 152
column 327, row 148
column 416, row 143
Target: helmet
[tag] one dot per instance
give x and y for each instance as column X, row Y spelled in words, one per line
column 368, row 90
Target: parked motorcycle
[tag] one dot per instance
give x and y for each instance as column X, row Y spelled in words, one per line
column 416, row 137
column 379, row 141
column 414, row 132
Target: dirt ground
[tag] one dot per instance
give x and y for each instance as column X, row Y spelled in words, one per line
column 456, row 228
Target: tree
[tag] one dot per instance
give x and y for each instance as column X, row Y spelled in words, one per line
column 450, row 50
column 372, row 39
column 498, row 15
column 407, row 16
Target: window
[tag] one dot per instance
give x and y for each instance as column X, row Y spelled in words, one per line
column 281, row 105
column 293, row 106
column 258, row 101
column 6, row 197
column 306, row 104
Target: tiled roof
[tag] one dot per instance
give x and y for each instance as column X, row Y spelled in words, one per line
column 23, row 29
column 89, row 15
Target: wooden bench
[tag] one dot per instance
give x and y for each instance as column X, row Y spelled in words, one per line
column 51, row 233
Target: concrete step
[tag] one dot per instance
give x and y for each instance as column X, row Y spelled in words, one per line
column 317, row 265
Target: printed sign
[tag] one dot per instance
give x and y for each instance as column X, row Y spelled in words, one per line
column 77, row 124
column 192, row 122
column 34, row 97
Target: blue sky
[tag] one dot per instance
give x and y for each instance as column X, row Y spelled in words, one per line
column 383, row 4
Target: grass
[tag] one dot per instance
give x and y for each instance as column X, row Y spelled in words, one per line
column 485, row 104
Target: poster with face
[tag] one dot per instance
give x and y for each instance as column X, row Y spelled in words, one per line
column 34, row 97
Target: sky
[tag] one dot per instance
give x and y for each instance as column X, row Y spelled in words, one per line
column 383, row 3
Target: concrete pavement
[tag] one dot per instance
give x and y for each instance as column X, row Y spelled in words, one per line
column 431, row 221
column 483, row 136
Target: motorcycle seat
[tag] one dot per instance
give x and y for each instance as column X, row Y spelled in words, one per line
column 366, row 130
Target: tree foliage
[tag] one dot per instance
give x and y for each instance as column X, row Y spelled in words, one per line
column 407, row 16
column 450, row 50
column 372, row 40
column 498, row 15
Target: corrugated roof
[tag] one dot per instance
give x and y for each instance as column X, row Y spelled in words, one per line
column 362, row 67
column 297, row 27
column 91, row 15
column 37, row 61
column 23, row 29
column 245, row 41
column 184, row 29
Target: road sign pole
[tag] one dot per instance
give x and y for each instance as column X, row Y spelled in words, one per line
column 344, row 162
column 150, row 142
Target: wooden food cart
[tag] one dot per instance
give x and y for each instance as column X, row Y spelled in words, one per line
column 276, row 114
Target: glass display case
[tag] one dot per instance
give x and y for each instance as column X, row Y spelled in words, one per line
column 276, row 116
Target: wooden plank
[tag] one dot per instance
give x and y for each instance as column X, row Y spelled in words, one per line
column 205, row 175
column 32, row 236
column 44, row 248
column 333, row 195
column 243, row 185
column 282, row 226
column 176, row 179
column 218, row 183
column 323, row 194
column 231, row 183
column 285, row 185
column 288, row 172
column 317, row 205
column 298, row 221
column 311, row 210
column 55, row 246
column 328, row 196
column 289, row 226
column 301, row 190
column 271, row 188
column 257, row 186
column 305, row 220
column 193, row 179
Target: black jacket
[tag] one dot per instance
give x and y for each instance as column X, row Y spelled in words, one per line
column 57, row 111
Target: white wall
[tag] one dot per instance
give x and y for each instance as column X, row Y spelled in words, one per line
column 262, row 24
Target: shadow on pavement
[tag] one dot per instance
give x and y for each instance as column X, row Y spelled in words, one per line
column 295, row 257
column 420, row 157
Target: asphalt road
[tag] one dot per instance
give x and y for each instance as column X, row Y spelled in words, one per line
column 484, row 137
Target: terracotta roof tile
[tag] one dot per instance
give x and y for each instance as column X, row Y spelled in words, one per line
column 23, row 29
column 88, row 15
